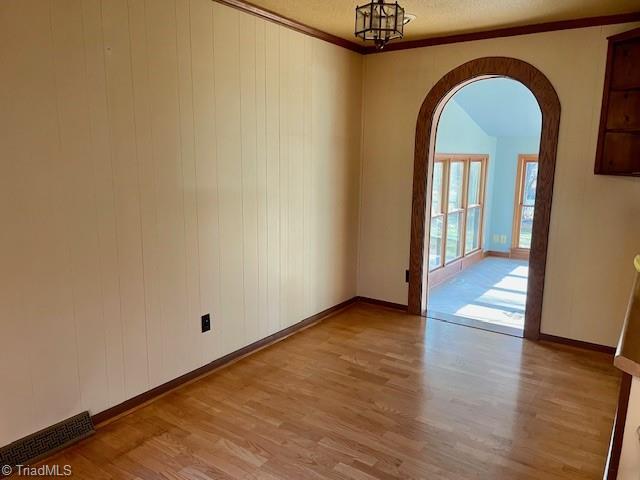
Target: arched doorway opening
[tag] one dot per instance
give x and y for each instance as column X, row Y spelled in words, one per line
column 426, row 127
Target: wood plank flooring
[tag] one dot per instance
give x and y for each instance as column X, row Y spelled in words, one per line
column 373, row 394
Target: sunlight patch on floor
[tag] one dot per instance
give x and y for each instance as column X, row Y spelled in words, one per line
column 493, row 290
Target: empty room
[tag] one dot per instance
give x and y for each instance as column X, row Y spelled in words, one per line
column 321, row 239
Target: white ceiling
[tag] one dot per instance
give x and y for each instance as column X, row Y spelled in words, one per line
column 501, row 107
column 444, row 17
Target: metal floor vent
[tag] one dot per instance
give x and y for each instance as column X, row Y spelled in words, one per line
column 47, row 441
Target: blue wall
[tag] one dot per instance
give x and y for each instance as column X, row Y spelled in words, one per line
column 502, row 189
column 458, row 132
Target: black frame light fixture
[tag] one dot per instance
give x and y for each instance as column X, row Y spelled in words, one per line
column 380, row 22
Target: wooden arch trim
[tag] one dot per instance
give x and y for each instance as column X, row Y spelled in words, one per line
column 426, row 126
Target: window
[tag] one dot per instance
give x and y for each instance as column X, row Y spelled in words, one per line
column 457, row 204
column 455, row 211
column 437, row 217
column 474, row 206
column 526, row 182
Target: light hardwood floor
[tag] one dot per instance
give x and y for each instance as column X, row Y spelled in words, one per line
column 373, row 393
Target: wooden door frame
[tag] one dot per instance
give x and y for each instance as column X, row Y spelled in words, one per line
column 426, row 126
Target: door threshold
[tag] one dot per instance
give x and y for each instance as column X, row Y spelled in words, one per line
column 475, row 323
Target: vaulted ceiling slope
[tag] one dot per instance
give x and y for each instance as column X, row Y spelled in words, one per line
column 501, row 107
column 447, row 17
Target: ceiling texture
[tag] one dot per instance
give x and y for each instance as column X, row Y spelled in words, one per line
column 447, row 17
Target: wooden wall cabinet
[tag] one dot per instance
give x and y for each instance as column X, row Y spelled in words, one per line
column 619, row 137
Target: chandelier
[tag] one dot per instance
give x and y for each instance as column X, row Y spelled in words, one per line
column 380, row 22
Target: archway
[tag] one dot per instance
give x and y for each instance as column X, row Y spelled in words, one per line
column 426, row 127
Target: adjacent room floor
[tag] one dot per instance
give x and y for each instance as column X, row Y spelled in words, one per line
column 492, row 291
column 372, row 393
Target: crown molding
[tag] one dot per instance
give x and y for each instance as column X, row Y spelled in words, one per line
column 274, row 17
column 510, row 32
column 292, row 24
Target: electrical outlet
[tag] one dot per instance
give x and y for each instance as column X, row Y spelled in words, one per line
column 503, row 239
column 206, row 323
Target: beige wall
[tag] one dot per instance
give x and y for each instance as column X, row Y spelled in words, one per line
column 160, row 160
column 595, row 224
column 629, row 468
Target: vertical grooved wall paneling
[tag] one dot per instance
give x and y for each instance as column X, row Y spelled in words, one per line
column 163, row 159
